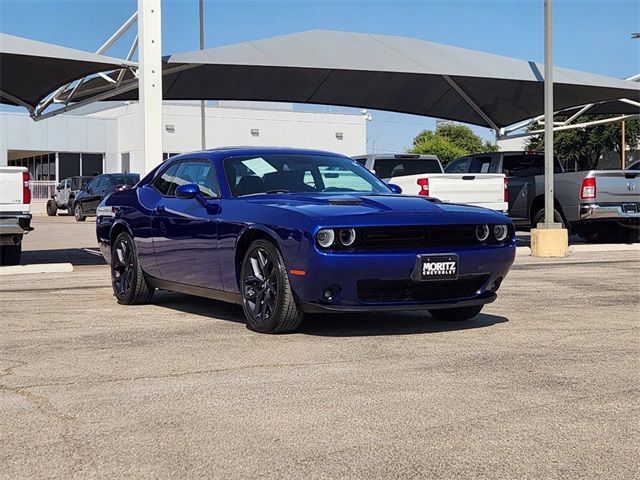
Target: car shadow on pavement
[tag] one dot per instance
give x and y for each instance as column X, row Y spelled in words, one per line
column 331, row 325
column 398, row 323
column 74, row 256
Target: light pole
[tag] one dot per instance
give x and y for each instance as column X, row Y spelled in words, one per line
column 203, row 123
column 548, row 114
column 373, row 143
column 548, row 239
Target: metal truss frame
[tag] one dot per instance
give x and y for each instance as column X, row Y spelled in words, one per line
column 114, row 84
column 567, row 124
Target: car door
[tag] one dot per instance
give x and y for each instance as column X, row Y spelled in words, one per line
column 185, row 231
column 520, row 171
column 96, row 193
column 62, row 194
column 86, row 196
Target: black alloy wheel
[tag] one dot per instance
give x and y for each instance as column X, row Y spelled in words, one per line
column 267, row 300
column 127, row 278
column 78, row 213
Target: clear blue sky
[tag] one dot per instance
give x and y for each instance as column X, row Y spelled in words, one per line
column 591, row 35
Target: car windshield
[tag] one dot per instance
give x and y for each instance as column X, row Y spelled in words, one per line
column 299, row 174
column 129, row 179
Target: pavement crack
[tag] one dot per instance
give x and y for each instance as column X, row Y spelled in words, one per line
column 38, row 401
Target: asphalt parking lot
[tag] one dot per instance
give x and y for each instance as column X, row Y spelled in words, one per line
column 543, row 384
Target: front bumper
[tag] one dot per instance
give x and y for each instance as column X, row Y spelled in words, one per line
column 617, row 211
column 481, row 299
column 15, row 224
column 346, row 272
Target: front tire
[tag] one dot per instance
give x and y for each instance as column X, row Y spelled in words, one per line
column 52, row 208
column 456, row 314
column 267, row 299
column 79, row 213
column 130, row 287
column 10, row 254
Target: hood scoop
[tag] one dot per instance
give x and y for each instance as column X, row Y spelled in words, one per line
column 345, row 201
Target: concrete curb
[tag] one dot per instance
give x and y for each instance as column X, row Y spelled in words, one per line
column 607, row 247
column 36, row 268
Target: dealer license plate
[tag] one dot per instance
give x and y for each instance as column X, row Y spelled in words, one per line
column 436, row 267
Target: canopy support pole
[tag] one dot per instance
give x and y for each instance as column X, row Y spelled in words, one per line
column 471, row 103
column 150, row 71
column 548, row 239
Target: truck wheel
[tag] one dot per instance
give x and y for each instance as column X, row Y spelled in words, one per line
column 130, row 287
column 52, row 208
column 539, row 218
column 10, row 254
column 70, row 207
column 456, row 314
column 267, row 299
column 78, row 213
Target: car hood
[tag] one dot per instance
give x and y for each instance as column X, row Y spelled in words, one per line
column 376, row 209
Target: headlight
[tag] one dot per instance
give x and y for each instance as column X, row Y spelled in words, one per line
column 347, row 236
column 500, row 232
column 325, row 237
column 482, row 232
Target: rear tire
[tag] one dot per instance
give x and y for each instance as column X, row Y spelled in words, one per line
column 267, row 299
column 129, row 284
column 79, row 213
column 456, row 314
column 52, row 208
column 539, row 218
column 10, row 254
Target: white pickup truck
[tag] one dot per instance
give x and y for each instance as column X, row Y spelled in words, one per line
column 15, row 212
column 423, row 175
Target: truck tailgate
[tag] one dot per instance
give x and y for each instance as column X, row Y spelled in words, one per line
column 11, row 190
column 617, row 186
column 481, row 189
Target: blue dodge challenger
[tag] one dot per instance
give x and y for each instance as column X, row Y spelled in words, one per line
column 285, row 232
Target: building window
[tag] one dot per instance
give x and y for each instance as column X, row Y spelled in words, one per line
column 125, row 162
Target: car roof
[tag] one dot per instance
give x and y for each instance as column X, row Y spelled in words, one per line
column 224, row 152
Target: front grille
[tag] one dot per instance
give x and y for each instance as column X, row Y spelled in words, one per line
column 415, row 237
column 410, row 291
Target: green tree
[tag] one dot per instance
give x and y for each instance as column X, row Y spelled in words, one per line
column 587, row 145
column 449, row 142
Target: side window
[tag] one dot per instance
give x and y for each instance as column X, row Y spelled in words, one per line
column 164, row 183
column 93, row 184
column 108, row 181
column 202, row 174
column 479, row 165
column 458, row 166
column 523, row 165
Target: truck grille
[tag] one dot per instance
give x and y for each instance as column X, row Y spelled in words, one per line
column 410, row 291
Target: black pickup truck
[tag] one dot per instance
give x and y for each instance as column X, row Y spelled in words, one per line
column 598, row 205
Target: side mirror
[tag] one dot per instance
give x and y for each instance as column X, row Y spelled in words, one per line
column 190, row 190
column 394, row 188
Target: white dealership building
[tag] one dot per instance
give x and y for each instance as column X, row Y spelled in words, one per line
column 108, row 138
